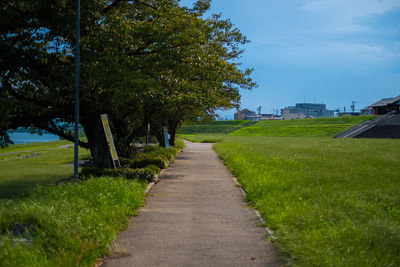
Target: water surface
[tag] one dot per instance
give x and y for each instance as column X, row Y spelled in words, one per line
column 25, row 138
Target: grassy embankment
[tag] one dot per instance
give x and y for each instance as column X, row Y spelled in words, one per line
column 67, row 225
column 213, row 127
column 330, row 202
column 323, row 127
column 210, row 131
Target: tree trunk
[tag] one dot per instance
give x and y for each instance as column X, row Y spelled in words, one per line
column 173, row 126
column 172, row 134
column 158, row 133
column 97, row 142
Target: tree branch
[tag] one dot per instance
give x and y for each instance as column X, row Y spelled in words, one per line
column 64, row 135
column 116, row 3
column 137, row 52
column 14, row 8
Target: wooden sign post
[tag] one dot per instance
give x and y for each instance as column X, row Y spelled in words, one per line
column 110, row 141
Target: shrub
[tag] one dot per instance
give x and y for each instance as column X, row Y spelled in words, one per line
column 153, row 168
column 148, row 148
column 138, row 174
column 145, row 174
column 94, row 171
column 145, row 160
column 144, row 166
column 168, row 154
column 179, row 144
column 124, row 161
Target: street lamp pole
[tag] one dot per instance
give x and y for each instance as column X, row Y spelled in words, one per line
column 77, row 61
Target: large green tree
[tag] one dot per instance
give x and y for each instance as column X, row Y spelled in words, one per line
column 203, row 76
column 142, row 62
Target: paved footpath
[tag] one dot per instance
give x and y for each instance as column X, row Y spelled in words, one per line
column 195, row 216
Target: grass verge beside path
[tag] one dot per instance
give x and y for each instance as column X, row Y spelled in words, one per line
column 330, row 202
column 322, row 127
column 70, row 225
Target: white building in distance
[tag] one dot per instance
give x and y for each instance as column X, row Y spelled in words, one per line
column 306, row 110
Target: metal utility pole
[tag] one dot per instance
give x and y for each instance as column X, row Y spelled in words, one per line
column 353, row 106
column 77, row 61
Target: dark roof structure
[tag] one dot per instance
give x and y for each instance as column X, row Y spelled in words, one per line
column 267, row 115
column 386, row 101
column 386, row 105
column 247, row 111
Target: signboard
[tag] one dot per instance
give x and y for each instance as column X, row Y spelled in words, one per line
column 110, row 141
column 166, row 137
column 148, row 134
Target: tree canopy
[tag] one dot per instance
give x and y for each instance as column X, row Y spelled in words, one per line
column 144, row 61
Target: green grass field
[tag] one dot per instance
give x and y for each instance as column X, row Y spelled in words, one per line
column 68, row 225
column 20, row 175
column 330, row 202
column 211, row 127
column 328, row 127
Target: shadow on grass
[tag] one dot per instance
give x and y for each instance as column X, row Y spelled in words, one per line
column 16, row 189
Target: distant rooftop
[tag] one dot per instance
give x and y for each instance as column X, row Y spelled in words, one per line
column 246, row 111
column 386, row 101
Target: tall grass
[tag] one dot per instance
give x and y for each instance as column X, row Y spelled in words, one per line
column 331, row 202
column 73, row 224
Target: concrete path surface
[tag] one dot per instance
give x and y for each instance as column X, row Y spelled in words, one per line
column 195, row 216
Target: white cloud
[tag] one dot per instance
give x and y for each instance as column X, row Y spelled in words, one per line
column 354, row 55
column 351, row 8
column 364, row 52
column 341, row 15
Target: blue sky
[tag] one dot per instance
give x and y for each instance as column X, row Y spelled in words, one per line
column 327, row 51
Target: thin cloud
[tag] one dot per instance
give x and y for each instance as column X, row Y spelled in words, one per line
column 343, row 15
